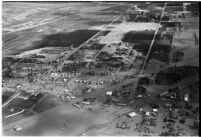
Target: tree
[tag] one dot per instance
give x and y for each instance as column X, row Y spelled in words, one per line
column 182, row 121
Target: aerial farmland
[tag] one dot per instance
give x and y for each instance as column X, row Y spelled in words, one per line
column 100, row 68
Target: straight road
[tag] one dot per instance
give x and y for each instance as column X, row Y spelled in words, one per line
column 152, row 42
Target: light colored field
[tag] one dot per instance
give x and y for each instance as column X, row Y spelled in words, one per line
column 119, row 30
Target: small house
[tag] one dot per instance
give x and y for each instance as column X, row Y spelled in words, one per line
column 132, row 114
column 86, row 103
column 139, row 96
column 186, row 97
column 155, row 110
column 109, row 93
column 147, row 113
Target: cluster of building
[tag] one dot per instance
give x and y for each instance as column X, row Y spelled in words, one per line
column 88, row 82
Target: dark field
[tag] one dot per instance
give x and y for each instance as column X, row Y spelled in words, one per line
column 175, row 74
column 158, row 4
column 104, row 33
column 48, row 102
column 25, row 104
column 106, row 57
column 74, row 67
column 177, row 56
column 174, row 4
column 6, row 95
column 174, row 8
column 169, row 24
column 142, row 40
column 20, row 103
column 135, row 37
column 160, row 49
column 118, row 8
column 143, row 5
column 161, row 56
column 106, row 13
column 97, row 22
column 74, row 38
column 193, row 7
column 78, row 55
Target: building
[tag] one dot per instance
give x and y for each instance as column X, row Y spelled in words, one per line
column 109, row 93
column 132, row 114
column 186, row 97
